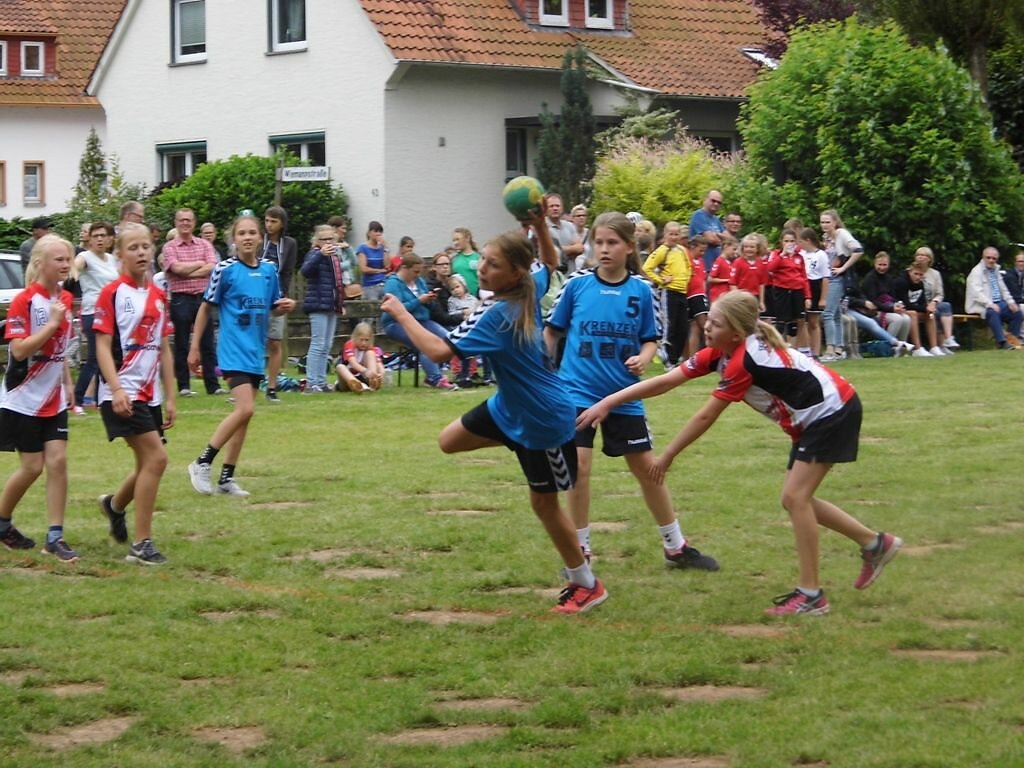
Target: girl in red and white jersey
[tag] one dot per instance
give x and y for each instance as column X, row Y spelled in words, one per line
column 132, row 323
column 817, row 407
column 36, row 392
column 787, row 280
column 748, row 271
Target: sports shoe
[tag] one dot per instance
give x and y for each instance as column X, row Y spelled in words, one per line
column 797, row 602
column 60, row 550
column 951, row 343
column 689, row 557
column 12, row 538
column 89, row 402
column 218, row 391
column 920, row 352
column 578, row 599
column 118, row 530
column 186, row 392
column 828, row 357
column 272, row 398
column 230, row 488
column 78, row 410
column 355, row 385
column 876, row 559
column 144, row 553
column 441, row 383
column 199, row 474
column 938, row 352
column 901, row 347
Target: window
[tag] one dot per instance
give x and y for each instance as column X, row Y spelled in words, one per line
column 3, row 183
column 3, row 58
column 287, row 25
column 599, row 14
column 33, row 183
column 32, row 60
column 305, row 146
column 179, row 161
column 515, row 153
column 554, row 12
column 189, row 24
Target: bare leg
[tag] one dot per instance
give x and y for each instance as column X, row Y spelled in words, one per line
column 151, row 461
column 578, row 497
column 55, row 456
column 237, row 420
column 28, row 471
column 558, row 527
column 797, row 493
column 915, row 328
column 832, row 517
column 656, row 496
column 455, row 438
column 274, row 353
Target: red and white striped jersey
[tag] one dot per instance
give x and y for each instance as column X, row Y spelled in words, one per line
column 138, row 318
column 35, row 387
column 787, row 386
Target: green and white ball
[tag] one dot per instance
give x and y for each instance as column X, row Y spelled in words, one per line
column 522, row 196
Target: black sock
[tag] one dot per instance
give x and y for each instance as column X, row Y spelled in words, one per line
column 271, row 390
column 226, row 473
column 208, row 455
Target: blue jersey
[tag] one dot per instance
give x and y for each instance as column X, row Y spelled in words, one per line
column 531, row 405
column 244, row 296
column 605, row 324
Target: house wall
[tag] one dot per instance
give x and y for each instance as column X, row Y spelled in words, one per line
column 241, row 95
column 55, row 136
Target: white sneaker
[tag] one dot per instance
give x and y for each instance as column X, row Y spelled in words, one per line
column 951, row 343
column 920, row 352
column 186, row 392
column 199, row 474
column 937, row 352
column 230, row 488
column 902, row 347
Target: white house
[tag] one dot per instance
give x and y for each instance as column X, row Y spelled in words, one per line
column 48, row 51
column 422, row 109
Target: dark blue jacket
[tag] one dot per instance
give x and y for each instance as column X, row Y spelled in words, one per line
column 321, row 285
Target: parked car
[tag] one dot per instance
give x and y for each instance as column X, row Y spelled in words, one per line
column 12, row 279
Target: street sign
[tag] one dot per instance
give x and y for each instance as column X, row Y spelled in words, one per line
column 306, row 173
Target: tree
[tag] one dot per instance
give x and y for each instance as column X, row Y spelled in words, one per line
column 1006, row 95
column 565, row 147
column 783, row 16
column 92, row 175
column 99, row 193
column 219, row 190
column 892, row 135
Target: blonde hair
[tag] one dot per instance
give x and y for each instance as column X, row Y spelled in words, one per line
column 620, row 224
column 925, row 251
column 741, row 313
column 518, row 252
column 833, row 214
column 411, row 259
column 127, row 229
column 35, row 263
column 321, row 229
column 468, row 235
column 758, row 241
column 362, row 329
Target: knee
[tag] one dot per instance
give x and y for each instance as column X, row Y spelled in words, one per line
column 157, row 463
column 33, row 466
column 245, row 411
column 56, row 465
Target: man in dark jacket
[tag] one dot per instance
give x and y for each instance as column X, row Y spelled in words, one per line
column 1014, row 279
column 283, row 251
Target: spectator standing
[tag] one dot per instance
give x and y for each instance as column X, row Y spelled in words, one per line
column 818, row 271
column 40, row 227
column 465, row 258
column 578, row 216
column 208, row 231
column 733, row 225
column 347, row 258
column 718, row 278
column 563, row 233
column 282, row 251
column 323, row 303
column 748, row 271
column 373, row 262
column 989, row 296
column 669, row 268
column 705, row 221
column 188, row 262
column 96, row 267
column 843, row 251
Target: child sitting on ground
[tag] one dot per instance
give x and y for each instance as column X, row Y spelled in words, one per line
column 361, row 368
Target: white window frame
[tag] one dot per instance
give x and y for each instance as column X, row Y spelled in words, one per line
column 302, row 139
column 39, row 198
column 176, row 47
column 3, row 58
column 553, row 20
column 598, row 22
column 25, row 47
column 187, row 150
column 277, row 45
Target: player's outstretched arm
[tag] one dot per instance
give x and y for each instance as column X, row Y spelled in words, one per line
column 658, row 385
column 432, row 346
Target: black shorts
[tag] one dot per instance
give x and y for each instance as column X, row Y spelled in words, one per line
column 788, row 304
column 240, row 378
column 28, row 434
column 547, row 471
column 620, row 434
column 145, row 418
column 815, row 295
column 832, row 440
column 697, row 305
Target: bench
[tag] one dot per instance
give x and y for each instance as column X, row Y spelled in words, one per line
column 963, row 329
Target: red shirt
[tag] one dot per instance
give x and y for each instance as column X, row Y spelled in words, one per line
column 721, row 269
column 748, row 276
column 698, row 278
column 788, row 271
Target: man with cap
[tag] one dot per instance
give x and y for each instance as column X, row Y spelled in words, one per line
column 40, row 227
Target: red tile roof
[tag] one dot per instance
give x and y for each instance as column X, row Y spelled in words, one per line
column 81, row 27
column 675, row 47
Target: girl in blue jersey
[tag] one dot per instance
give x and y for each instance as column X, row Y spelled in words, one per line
column 531, row 413
column 607, row 314
column 246, row 292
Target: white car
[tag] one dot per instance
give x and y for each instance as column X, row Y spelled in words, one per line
column 12, row 279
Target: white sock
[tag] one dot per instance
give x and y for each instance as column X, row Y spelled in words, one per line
column 583, row 537
column 672, row 536
column 582, row 576
column 809, row 592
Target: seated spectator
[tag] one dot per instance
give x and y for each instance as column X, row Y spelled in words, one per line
column 864, row 314
column 877, row 287
column 989, row 297
column 438, row 277
column 361, row 367
column 1014, row 279
column 910, row 293
column 941, row 309
column 409, row 288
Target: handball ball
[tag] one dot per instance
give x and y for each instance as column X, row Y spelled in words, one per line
column 522, row 196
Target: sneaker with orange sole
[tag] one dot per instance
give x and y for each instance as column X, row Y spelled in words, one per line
column 576, row 598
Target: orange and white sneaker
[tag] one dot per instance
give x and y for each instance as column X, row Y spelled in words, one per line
column 578, row 599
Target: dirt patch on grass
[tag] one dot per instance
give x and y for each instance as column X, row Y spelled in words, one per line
column 480, row 462
column 97, row 617
column 363, row 574
column 752, row 630
column 459, row 512
column 609, row 527
column 709, row 761
column 1008, row 526
column 65, row 690
column 234, row 740
column 280, row 505
column 953, row 623
column 493, row 704
column 96, row 732
column 205, row 682
column 927, row 549
column 445, row 737
column 219, row 616
column 322, row 555
column 936, row 654
column 868, row 502
column 15, row 677
column 451, row 617
column 551, row 592
column 710, row 693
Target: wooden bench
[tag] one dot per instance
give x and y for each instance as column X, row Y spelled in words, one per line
column 963, row 329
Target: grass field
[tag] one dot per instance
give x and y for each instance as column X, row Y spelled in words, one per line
column 376, row 603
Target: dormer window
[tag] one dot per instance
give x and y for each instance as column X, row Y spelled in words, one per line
column 554, row 13
column 599, row 14
column 3, row 58
column 33, row 60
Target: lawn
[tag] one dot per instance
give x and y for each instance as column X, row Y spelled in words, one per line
column 377, row 603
